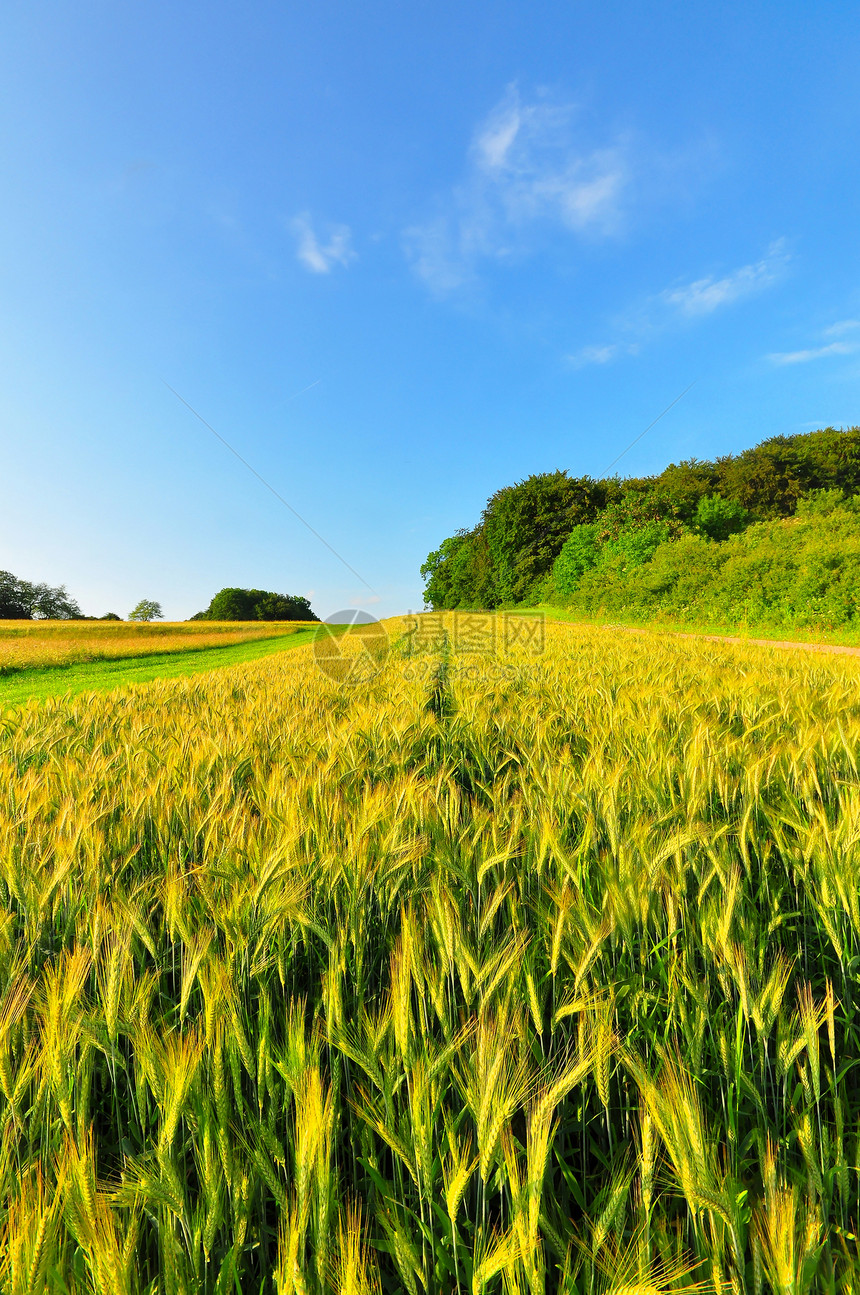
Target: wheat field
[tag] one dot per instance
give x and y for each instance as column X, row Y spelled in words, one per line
column 33, row 645
column 511, row 971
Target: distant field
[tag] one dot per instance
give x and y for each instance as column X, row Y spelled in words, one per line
column 149, row 662
column 28, row 645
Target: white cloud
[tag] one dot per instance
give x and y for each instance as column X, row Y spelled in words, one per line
column 594, row 355
column 703, row 296
column 525, row 174
column 844, row 326
column 528, row 165
column 814, row 353
column 318, row 257
column 601, row 354
column 685, row 301
column 843, row 345
column 436, row 258
column 493, row 143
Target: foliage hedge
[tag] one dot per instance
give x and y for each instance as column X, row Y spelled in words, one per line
column 770, row 537
column 801, row 571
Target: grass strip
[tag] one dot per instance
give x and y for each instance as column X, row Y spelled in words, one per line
column 60, row 681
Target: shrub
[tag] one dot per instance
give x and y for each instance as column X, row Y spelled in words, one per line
column 718, row 518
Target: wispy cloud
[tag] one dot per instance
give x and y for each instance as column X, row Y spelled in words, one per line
column 846, row 342
column 703, row 296
column 523, row 153
column 319, row 257
column 601, row 354
column 814, row 353
column 525, row 170
column 844, row 326
column 682, row 303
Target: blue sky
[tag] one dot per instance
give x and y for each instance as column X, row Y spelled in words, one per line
column 399, row 255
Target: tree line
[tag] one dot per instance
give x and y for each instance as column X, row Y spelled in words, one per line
column 537, row 539
column 23, row 600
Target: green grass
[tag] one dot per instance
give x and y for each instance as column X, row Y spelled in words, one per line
column 62, row 681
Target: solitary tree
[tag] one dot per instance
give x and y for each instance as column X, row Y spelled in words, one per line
column 146, row 610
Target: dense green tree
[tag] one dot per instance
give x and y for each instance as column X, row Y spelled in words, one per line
column 627, row 535
column 437, row 573
column 231, row 605
column 795, row 572
column 719, row 518
column 281, row 607
column 511, row 556
column 460, row 572
column 527, row 524
column 822, row 502
column 640, row 509
column 12, row 602
column 581, row 552
column 55, row 604
column 770, row 478
column 21, row 600
column 685, row 484
column 256, row 605
column 636, row 544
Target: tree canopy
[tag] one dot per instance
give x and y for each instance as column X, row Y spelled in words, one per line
column 146, row 610
column 256, row 605
column 21, row 600
column 536, row 536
